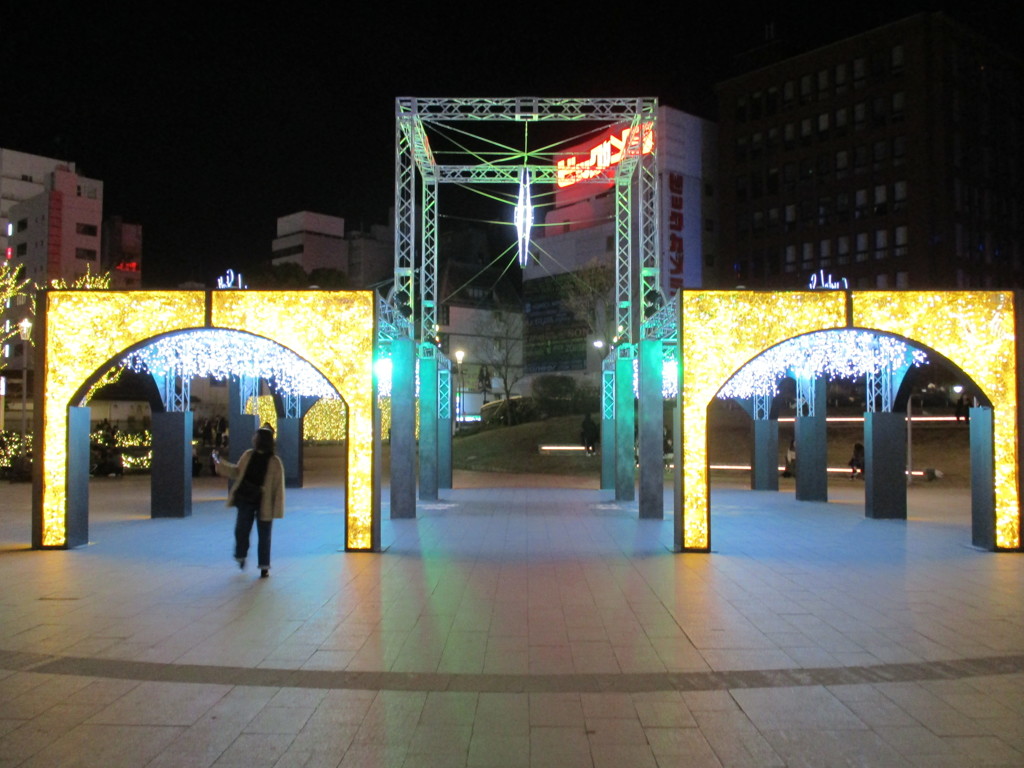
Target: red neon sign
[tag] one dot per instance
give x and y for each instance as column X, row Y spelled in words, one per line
column 592, row 163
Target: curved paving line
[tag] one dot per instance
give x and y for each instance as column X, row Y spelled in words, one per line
column 146, row 671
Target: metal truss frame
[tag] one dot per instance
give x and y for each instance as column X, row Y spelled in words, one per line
column 804, row 394
column 175, row 391
column 413, row 156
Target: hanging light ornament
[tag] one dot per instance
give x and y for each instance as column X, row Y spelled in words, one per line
column 524, row 217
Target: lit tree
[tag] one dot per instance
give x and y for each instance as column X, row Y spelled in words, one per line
column 11, row 285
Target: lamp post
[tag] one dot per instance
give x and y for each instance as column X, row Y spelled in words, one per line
column 460, row 355
column 25, row 330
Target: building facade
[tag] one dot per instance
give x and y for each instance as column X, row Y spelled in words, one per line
column 891, row 159
column 56, row 234
column 318, row 241
column 575, row 251
column 22, row 177
column 121, row 253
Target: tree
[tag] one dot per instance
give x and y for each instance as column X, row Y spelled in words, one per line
column 11, row 285
column 587, row 293
column 501, row 350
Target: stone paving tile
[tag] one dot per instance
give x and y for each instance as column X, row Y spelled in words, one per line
column 520, row 627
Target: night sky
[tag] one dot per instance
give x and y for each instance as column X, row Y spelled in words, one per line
column 207, row 125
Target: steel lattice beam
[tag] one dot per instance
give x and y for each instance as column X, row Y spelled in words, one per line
column 403, row 294
column 623, row 272
column 428, row 272
column 523, row 109
column 649, row 255
column 509, row 174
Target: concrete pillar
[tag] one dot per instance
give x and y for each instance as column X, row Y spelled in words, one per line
column 240, row 425
column 651, row 432
column 764, row 460
column 77, row 521
column 288, row 446
column 403, row 428
column 625, row 433
column 983, row 493
column 171, row 478
column 812, row 449
column 885, row 460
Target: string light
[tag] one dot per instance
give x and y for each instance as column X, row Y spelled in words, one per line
column 837, row 354
column 89, row 330
column 219, row 354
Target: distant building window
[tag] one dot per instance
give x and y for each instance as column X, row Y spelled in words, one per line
column 899, row 105
column 293, row 250
column 862, row 246
column 841, row 84
column 843, row 250
column 899, row 150
column 881, row 244
column 842, row 118
column 899, row 195
column 85, row 254
column 86, row 229
column 881, row 200
column 22, row 249
column 805, row 89
column 901, row 239
column 22, row 225
column 896, row 59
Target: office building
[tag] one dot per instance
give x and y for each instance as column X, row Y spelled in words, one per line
column 891, row 159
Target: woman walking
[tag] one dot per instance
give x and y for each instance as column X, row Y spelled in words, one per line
column 258, row 493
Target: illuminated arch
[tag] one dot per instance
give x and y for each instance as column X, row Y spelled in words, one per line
column 721, row 330
column 83, row 330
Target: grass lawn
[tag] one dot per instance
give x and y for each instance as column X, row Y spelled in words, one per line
column 944, row 446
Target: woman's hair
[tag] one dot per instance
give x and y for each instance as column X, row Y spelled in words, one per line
column 264, row 440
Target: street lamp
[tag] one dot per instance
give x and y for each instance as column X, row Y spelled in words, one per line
column 25, row 330
column 460, row 355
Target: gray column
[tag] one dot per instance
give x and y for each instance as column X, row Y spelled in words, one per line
column 171, row 478
column 625, row 457
column 764, row 460
column 288, row 445
column 885, row 460
column 77, row 520
column 651, row 432
column 983, row 477
column 403, row 428
column 428, row 428
column 812, row 449
column 240, row 425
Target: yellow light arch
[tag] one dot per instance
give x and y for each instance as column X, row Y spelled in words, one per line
column 83, row 330
column 720, row 331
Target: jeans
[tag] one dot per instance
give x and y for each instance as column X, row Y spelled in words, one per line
column 247, row 514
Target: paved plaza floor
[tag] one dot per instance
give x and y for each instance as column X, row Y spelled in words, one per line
column 513, row 626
